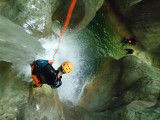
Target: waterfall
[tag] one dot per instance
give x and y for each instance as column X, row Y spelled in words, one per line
column 16, row 46
column 69, row 51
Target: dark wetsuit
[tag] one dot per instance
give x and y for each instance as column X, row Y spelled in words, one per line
column 129, row 51
column 46, row 73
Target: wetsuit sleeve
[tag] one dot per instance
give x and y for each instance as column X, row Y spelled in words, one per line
column 34, row 72
column 57, row 83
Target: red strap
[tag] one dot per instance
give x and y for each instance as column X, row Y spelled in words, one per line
column 69, row 14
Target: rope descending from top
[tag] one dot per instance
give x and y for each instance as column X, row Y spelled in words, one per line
column 69, row 14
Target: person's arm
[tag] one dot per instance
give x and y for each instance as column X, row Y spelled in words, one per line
column 57, row 84
column 50, row 61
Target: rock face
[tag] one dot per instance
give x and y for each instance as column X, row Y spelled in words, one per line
column 13, row 92
column 83, row 13
column 78, row 113
column 124, row 5
column 145, row 24
column 36, row 16
column 16, row 46
column 98, row 94
column 33, row 16
column 43, row 104
column 143, row 20
column 124, row 87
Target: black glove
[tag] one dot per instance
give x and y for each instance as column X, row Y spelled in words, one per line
column 57, row 84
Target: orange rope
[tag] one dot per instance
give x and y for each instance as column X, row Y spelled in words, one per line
column 69, row 14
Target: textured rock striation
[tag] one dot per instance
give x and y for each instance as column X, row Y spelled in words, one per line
column 13, row 92
column 33, row 16
column 43, row 104
column 128, row 87
column 84, row 12
column 142, row 18
column 36, row 17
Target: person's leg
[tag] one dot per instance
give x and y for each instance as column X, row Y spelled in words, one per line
column 34, row 85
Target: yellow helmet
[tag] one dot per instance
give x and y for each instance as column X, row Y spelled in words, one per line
column 67, row 66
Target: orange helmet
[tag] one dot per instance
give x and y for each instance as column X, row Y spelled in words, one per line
column 67, row 66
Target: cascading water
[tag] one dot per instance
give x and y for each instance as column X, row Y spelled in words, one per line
column 85, row 49
column 15, row 45
column 69, row 51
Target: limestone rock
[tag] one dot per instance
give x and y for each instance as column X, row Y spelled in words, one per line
column 13, row 92
column 36, row 17
column 43, row 104
column 83, row 13
column 139, row 80
column 78, row 113
column 98, row 94
column 125, row 83
column 140, row 105
column 16, row 45
column 124, row 5
column 33, row 16
column 142, row 18
column 145, row 24
column 137, row 112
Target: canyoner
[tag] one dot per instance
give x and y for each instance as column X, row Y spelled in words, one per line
column 44, row 73
column 42, row 70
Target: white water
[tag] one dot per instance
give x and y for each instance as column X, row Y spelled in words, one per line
column 21, row 49
column 69, row 51
column 16, row 45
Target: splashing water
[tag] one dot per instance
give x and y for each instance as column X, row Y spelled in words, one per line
column 69, row 51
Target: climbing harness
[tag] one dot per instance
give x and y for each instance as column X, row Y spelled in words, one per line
column 69, row 14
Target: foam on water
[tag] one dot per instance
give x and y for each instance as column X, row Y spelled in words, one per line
column 69, row 51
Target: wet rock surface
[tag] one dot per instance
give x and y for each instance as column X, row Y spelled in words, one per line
column 72, row 112
column 36, row 17
column 11, row 102
column 133, row 87
column 16, row 45
column 124, row 89
column 145, row 24
column 142, row 18
column 43, row 104
column 98, row 94
column 84, row 12
column 33, row 16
